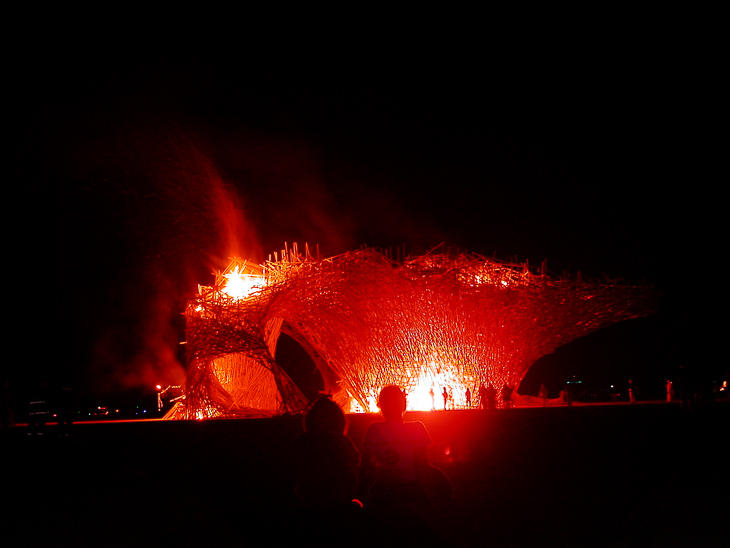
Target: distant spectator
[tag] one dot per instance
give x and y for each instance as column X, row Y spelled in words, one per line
column 670, row 391
column 506, row 394
column 632, row 392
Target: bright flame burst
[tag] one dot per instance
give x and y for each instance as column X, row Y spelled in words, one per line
column 240, row 285
column 425, row 393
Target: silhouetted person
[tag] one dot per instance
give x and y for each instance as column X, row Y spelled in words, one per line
column 326, row 459
column 670, row 391
column 506, row 394
column 468, row 397
column 543, row 393
column 445, row 394
column 632, row 393
column 395, row 467
column 567, row 395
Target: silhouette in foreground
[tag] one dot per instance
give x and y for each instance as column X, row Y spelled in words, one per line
column 395, row 468
column 326, row 459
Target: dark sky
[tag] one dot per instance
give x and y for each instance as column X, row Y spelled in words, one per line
column 133, row 168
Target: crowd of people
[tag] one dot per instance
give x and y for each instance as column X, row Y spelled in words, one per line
column 489, row 398
column 392, row 466
column 392, row 469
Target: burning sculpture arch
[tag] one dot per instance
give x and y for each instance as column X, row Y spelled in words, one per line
column 427, row 323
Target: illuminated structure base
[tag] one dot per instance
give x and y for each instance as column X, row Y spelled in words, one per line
column 427, row 323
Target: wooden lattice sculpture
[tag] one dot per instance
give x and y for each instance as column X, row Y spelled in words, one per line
column 425, row 323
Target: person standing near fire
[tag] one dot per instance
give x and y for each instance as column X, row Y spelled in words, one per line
column 506, row 394
column 632, row 393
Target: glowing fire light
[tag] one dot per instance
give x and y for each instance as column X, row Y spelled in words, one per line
column 240, row 285
column 427, row 393
column 430, row 323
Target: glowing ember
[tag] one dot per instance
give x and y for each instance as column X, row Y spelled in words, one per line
column 429, row 324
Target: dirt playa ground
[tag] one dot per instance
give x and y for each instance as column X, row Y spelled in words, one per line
column 600, row 475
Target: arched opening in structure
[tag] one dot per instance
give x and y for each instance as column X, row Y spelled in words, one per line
column 598, row 366
column 299, row 365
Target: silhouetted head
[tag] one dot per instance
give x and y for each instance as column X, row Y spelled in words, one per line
column 392, row 402
column 325, row 416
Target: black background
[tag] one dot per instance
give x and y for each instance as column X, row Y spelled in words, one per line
column 582, row 152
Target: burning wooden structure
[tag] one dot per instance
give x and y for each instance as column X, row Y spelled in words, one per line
column 425, row 323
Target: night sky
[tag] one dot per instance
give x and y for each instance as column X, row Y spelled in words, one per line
column 133, row 170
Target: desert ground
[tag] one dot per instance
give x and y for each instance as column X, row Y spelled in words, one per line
column 648, row 474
